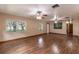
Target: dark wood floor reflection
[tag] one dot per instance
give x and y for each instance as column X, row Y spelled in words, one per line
column 42, row 44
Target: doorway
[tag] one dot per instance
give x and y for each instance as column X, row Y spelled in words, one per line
column 69, row 29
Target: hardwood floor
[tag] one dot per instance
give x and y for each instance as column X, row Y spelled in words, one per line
column 42, row 44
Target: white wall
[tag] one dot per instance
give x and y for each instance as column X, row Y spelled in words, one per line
column 32, row 28
column 76, row 27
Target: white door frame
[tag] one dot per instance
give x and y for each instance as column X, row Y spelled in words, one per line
column 48, row 28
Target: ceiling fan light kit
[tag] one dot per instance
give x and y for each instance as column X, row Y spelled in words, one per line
column 55, row 21
column 38, row 17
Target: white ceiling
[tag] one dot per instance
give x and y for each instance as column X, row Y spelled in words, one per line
column 28, row 10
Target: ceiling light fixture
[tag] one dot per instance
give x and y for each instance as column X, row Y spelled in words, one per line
column 69, row 20
column 55, row 19
column 39, row 15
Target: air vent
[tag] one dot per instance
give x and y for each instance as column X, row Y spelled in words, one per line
column 55, row 6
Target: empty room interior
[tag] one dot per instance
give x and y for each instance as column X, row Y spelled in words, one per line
column 39, row 28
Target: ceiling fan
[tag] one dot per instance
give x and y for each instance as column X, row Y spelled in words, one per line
column 56, row 18
column 40, row 15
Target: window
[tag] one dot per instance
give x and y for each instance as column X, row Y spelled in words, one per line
column 14, row 26
column 58, row 25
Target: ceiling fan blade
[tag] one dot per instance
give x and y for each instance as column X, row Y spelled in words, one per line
column 61, row 18
column 45, row 15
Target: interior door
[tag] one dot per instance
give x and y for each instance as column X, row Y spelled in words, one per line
column 69, row 29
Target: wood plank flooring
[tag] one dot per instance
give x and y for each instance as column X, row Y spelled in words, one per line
column 41, row 44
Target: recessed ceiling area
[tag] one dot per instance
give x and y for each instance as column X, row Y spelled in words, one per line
column 29, row 10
